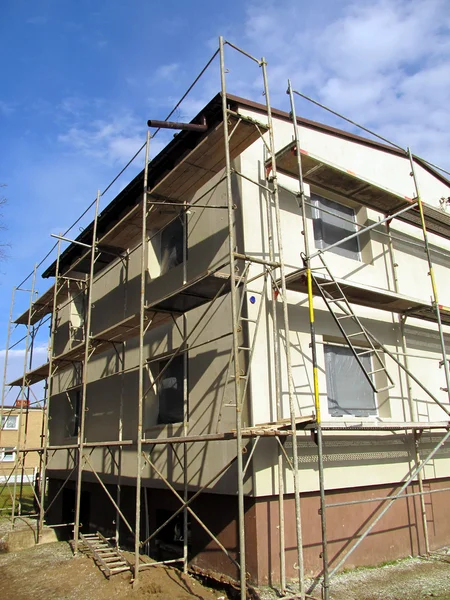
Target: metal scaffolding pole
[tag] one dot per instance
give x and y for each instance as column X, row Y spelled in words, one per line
column 82, row 416
column 298, row 524
column 5, row 365
column 141, row 393
column 46, row 433
column 234, row 317
column 431, row 274
column 325, row 583
column 390, row 502
column 411, row 402
column 24, row 385
column 278, row 399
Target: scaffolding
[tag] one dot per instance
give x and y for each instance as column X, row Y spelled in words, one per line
column 233, row 278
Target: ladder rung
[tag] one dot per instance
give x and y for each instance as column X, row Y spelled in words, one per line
column 376, row 371
column 384, row 389
column 243, row 348
column 328, row 283
column 365, row 352
column 247, row 319
column 336, row 299
column 350, row 335
column 345, row 317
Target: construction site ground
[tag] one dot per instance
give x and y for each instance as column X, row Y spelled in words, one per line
column 50, row 571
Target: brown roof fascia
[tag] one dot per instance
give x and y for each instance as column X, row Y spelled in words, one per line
column 283, row 115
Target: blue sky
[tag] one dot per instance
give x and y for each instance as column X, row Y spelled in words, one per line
column 80, row 79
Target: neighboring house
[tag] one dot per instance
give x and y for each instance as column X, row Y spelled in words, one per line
column 28, row 435
column 369, row 444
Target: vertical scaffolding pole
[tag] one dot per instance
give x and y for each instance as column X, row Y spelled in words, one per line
column 234, row 319
column 141, row 366
column 431, row 273
column 298, row 523
column 325, row 583
column 5, row 365
column 87, row 338
column 19, row 455
column 185, row 403
column 45, row 429
column 411, row 403
column 279, row 402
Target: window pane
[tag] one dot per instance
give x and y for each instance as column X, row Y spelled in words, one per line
column 10, row 422
column 348, row 390
column 170, row 391
column 330, row 228
column 7, row 454
column 171, row 245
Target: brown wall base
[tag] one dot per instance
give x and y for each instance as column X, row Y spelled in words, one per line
column 399, row 533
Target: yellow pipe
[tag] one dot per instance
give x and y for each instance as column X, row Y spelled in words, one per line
column 313, row 346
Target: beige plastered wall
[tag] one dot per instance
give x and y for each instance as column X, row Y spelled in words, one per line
column 351, row 459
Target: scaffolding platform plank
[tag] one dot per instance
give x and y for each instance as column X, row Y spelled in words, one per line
column 197, row 292
column 336, row 179
column 195, row 169
column 43, row 305
column 364, row 295
column 34, row 376
column 347, row 425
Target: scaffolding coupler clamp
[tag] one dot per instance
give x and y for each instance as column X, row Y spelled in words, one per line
column 304, row 259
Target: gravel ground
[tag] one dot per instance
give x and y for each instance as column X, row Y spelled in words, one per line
column 50, row 571
column 409, row 579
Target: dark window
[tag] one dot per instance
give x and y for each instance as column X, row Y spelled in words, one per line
column 170, row 391
column 172, row 245
column 75, row 397
column 330, row 228
column 348, row 390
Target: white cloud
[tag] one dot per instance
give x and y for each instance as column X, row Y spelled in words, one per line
column 6, row 108
column 111, row 141
column 384, row 63
column 168, row 71
column 39, row 20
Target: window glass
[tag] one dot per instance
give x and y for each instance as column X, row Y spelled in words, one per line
column 348, row 390
column 170, row 391
column 77, row 313
column 330, row 228
column 7, row 454
column 74, row 414
column 9, row 422
column 172, row 245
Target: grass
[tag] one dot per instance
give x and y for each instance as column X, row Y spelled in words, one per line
column 27, row 500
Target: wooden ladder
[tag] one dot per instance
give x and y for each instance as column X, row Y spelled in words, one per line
column 108, row 558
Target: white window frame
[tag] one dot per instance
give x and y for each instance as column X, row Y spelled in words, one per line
column 316, row 215
column 11, row 451
column 346, row 417
column 5, row 423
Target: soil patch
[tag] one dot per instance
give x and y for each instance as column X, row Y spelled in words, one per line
column 52, row 572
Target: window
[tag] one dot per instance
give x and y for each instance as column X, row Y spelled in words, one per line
column 172, row 245
column 349, row 392
column 7, row 455
column 10, row 422
column 74, row 397
column 330, row 228
column 170, row 391
column 77, row 312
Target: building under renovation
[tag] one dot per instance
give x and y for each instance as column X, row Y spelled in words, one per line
column 247, row 369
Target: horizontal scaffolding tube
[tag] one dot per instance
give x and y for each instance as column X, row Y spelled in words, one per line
column 364, row 230
column 384, row 498
column 333, row 112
